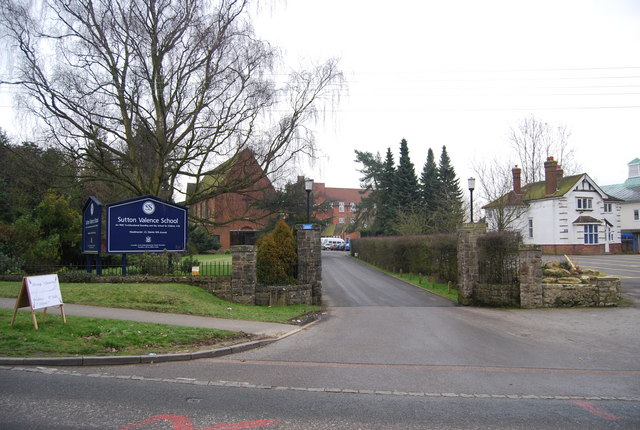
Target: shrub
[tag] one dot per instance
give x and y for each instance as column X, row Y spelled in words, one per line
column 149, row 264
column 186, row 263
column 9, row 265
column 276, row 256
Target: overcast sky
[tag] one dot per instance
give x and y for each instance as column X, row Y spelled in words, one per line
column 462, row 73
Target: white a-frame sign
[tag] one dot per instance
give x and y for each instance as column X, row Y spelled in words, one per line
column 39, row 292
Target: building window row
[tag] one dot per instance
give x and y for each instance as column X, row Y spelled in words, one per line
column 585, row 204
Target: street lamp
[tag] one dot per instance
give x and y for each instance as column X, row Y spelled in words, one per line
column 308, row 186
column 472, row 185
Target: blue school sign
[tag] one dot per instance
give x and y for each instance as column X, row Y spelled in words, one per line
column 91, row 226
column 146, row 224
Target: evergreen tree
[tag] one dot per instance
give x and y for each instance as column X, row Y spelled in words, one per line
column 386, row 213
column 450, row 212
column 276, row 256
column 372, row 167
column 407, row 194
column 429, row 184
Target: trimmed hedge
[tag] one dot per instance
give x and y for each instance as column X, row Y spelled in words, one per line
column 430, row 255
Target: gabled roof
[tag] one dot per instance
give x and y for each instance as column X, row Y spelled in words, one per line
column 535, row 191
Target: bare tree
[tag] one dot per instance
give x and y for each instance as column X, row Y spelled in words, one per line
column 495, row 180
column 534, row 141
column 145, row 93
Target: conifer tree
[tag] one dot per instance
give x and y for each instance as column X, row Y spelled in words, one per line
column 429, row 184
column 450, row 212
column 407, row 194
column 387, row 203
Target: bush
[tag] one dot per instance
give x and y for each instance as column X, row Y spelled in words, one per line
column 201, row 241
column 148, row 264
column 77, row 277
column 186, row 263
column 276, row 256
column 9, row 266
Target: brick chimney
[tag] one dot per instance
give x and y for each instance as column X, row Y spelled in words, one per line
column 517, row 172
column 551, row 175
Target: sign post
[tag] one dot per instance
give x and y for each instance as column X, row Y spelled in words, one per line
column 92, row 232
column 146, row 224
column 39, row 292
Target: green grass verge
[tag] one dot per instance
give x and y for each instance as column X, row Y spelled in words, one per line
column 170, row 298
column 82, row 336
column 218, row 258
column 422, row 281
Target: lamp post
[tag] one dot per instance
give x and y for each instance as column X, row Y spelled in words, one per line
column 308, row 187
column 472, row 185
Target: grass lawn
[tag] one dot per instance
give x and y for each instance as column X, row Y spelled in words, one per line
column 82, row 336
column 170, row 298
column 222, row 258
column 92, row 336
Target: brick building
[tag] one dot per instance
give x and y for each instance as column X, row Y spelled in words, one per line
column 344, row 209
column 233, row 216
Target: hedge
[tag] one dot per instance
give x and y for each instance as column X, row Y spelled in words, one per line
column 430, row 255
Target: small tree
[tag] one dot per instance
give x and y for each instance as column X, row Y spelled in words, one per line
column 276, row 255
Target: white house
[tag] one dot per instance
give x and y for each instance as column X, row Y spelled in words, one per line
column 564, row 215
column 629, row 193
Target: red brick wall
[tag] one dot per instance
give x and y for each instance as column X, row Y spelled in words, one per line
column 614, row 248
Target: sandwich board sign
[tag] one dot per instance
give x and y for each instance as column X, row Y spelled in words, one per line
column 146, row 224
column 39, row 292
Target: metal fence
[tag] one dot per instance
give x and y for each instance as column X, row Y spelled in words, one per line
column 133, row 267
column 498, row 259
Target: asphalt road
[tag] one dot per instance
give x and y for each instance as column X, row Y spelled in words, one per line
column 387, row 355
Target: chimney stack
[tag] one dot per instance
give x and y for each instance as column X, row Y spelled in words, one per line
column 551, row 175
column 517, row 172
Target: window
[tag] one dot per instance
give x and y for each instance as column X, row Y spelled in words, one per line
column 340, row 220
column 584, row 204
column 341, row 204
column 590, row 234
column 531, row 228
column 636, row 215
column 607, row 208
column 353, row 207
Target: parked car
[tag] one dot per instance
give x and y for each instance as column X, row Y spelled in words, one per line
column 333, row 243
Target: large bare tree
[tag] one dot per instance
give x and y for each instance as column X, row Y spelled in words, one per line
column 534, row 140
column 148, row 93
column 495, row 180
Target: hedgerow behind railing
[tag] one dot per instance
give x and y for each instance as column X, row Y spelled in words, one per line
column 498, row 259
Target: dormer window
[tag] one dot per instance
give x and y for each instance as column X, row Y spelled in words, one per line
column 584, row 204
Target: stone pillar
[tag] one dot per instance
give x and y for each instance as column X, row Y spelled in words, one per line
column 530, row 274
column 310, row 260
column 468, row 260
column 243, row 278
column 608, row 291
